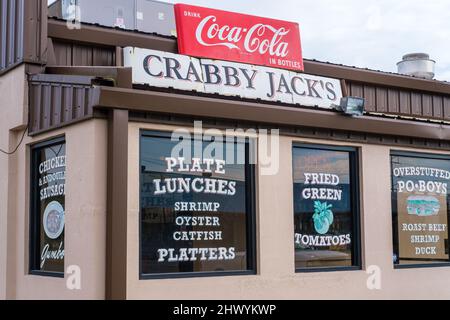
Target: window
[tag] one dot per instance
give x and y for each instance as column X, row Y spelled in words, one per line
column 326, row 215
column 47, row 209
column 197, row 215
column 420, row 209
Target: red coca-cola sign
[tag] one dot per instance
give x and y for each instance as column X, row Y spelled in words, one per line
column 223, row 35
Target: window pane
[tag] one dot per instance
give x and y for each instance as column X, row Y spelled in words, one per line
column 48, row 210
column 323, row 216
column 194, row 213
column 420, row 209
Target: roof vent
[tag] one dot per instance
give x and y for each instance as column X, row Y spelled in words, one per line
column 418, row 65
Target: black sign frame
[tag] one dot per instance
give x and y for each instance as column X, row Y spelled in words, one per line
column 354, row 155
column 251, row 231
column 34, row 216
column 395, row 235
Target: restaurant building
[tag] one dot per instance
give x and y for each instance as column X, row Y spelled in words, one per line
column 96, row 204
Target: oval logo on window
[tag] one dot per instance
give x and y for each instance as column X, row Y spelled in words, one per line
column 53, row 220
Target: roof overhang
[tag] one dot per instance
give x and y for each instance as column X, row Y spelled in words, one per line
column 218, row 108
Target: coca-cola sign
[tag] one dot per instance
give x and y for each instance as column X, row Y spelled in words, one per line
column 222, row 35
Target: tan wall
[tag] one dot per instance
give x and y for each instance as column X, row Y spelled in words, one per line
column 85, row 236
column 13, row 116
column 276, row 278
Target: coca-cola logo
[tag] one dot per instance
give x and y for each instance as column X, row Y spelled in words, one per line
column 260, row 38
column 229, row 36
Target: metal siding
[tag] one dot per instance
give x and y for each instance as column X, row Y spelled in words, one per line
column 54, row 104
column 447, row 108
column 76, row 54
column 3, row 35
column 19, row 38
column 371, row 98
column 405, row 102
column 438, row 107
column 105, row 57
column 56, row 100
column 301, row 132
column 357, row 90
column 433, row 144
column 393, row 101
column 341, row 135
column 35, row 99
column 23, row 29
column 13, row 32
column 403, row 140
column 67, row 103
column 388, row 140
column 445, row 145
column 382, row 100
column 79, row 106
column 63, row 53
column 35, row 31
column 354, row 136
column 420, row 143
column 416, row 104
column 82, row 56
column 46, row 106
column 427, row 106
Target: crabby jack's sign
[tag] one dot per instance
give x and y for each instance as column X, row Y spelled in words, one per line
column 222, row 35
column 167, row 70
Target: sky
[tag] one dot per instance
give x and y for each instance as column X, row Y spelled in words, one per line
column 371, row 34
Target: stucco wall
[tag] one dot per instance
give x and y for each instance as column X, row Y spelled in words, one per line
column 276, row 278
column 85, row 236
column 12, row 116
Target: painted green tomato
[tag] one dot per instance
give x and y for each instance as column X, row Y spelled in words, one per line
column 323, row 217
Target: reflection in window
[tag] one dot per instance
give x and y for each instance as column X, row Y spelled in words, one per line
column 420, row 205
column 324, row 202
column 196, row 213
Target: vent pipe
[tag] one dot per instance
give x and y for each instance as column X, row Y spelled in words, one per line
column 418, row 65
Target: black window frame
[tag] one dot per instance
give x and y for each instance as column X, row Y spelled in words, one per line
column 251, row 232
column 394, row 211
column 34, row 218
column 355, row 169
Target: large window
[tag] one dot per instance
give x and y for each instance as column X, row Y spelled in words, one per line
column 47, row 209
column 420, row 207
column 196, row 207
column 326, row 213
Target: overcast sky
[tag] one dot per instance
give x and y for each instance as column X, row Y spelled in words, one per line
column 370, row 34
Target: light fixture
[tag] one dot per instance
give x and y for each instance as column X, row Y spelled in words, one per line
column 352, row 106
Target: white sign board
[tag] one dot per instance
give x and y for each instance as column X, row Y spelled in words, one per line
column 168, row 70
